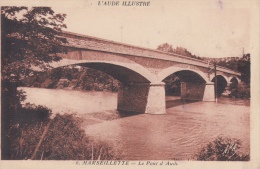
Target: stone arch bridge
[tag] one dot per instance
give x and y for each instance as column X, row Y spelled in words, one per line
column 141, row 72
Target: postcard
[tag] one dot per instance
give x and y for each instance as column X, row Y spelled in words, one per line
column 130, row 84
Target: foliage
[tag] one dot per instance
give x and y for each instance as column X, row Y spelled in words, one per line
column 244, row 65
column 73, row 78
column 165, row 47
column 222, row 149
column 240, row 64
column 30, row 39
column 16, row 123
column 237, row 64
column 242, row 92
column 64, row 139
column 172, row 85
column 10, row 96
column 178, row 50
column 173, row 82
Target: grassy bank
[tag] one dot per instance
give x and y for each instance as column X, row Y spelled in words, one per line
column 33, row 134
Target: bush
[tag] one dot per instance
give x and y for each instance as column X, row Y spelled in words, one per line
column 10, row 106
column 31, row 114
column 242, row 94
column 24, row 129
column 222, row 149
column 242, row 91
column 64, row 140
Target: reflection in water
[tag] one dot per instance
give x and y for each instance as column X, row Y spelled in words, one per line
column 173, row 101
column 175, row 135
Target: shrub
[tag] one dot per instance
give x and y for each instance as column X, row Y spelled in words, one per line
column 242, row 91
column 31, row 114
column 243, row 94
column 222, row 149
column 64, row 139
column 25, row 128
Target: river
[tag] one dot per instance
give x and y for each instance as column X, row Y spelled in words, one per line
column 176, row 135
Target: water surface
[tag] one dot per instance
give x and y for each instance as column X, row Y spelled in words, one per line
column 179, row 134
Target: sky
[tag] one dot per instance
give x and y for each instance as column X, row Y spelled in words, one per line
column 207, row 28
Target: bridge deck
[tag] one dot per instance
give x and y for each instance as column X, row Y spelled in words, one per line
column 97, row 44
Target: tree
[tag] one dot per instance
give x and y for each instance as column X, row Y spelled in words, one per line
column 240, row 64
column 244, row 65
column 30, row 38
column 165, row 47
column 178, row 50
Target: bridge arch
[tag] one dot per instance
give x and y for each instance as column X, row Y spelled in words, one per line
column 219, row 74
column 139, row 90
column 233, row 82
column 168, row 71
column 124, row 72
column 138, row 85
column 222, row 83
column 190, row 85
column 232, row 78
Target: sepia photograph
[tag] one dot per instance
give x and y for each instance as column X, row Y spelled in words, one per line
column 137, row 84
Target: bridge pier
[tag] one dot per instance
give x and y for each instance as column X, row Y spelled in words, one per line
column 209, row 92
column 197, row 91
column 192, row 91
column 142, row 98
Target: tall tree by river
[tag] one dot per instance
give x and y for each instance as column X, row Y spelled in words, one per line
column 29, row 40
